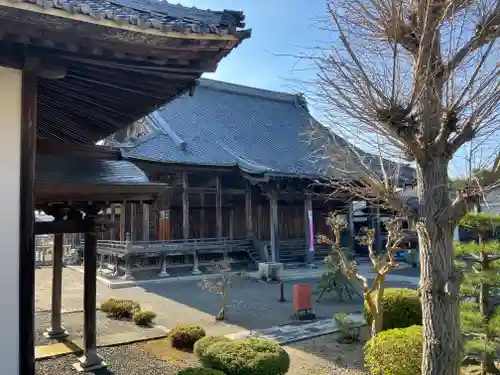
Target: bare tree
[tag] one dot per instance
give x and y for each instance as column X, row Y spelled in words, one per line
column 382, row 263
column 220, row 284
column 420, row 79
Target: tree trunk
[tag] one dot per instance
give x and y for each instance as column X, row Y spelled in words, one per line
column 439, row 278
column 377, row 323
column 374, row 301
column 488, row 360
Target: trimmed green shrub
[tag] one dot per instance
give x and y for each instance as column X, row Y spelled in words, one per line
column 185, row 336
column 201, row 345
column 396, row 352
column 401, row 308
column 199, row 371
column 247, row 357
column 106, row 305
column 120, row 309
column 143, row 318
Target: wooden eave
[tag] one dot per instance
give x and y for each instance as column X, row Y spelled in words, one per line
column 97, row 76
column 71, row 194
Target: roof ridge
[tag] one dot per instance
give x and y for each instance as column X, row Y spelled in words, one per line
column 251, row 91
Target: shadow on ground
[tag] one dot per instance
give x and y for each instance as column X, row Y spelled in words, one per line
column 252, row 304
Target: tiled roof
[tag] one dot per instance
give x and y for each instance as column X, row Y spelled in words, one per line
column 155, row 14
column 225, row 124
column 492, row 202
column 78, row 170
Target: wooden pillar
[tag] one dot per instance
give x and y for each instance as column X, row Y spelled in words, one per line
column 203, row 229
column 23, row 264
column 231, row 223
column 218, row 206
column 56, row 331
column 145, row 222
column 248, row 210
column 273, row 212
column 259, row 221
column 112, row 234
column 185, row 206
column 133, row 222
column 123, row 220
column 90, row 360
column 308, row 225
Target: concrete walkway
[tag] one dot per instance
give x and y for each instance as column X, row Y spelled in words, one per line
column 364, row 269
column 289, row 333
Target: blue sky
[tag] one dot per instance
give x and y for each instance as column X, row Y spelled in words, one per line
column 280, row 27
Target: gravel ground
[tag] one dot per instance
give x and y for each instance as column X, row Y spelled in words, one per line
column 320, row 356
column 325, row 356
column 73, row 322
column 121, row 360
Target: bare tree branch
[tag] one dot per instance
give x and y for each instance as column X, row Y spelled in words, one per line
column 486, row 32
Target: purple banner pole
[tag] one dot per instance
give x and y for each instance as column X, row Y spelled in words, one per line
column 311, row 231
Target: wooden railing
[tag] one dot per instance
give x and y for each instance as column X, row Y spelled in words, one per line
column 170, row 246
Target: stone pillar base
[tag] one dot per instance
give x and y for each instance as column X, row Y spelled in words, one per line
column 270, row 271
column 90, row 362
column 312, row 266
column 128, row 277
column 196, row 271
column 163, row 274
column 59, row 333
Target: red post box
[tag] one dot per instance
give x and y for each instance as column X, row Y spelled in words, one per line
column 302, row 298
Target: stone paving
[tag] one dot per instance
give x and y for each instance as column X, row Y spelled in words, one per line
column 289, row 333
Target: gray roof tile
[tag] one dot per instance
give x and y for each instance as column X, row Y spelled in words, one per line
column 492, row 202
column 72, row 169
column 153, row 14
column 225, row 124
column 231, row 125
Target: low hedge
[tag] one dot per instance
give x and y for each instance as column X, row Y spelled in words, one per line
column 401, row 309
column 200, row 371
column 201, row 345
column 120, row 309
column 396, row 352
column 143, row 318
column 247, row 357
column 185, row 336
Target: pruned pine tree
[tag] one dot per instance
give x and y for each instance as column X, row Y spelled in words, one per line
column 382, row 263
column 480, row 314
column 418, row 79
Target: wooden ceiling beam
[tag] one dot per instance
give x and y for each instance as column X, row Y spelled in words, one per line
column 72, row 226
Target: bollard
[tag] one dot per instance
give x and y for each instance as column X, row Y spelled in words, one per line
column 282, row 292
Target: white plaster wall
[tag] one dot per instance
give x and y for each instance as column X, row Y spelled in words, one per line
column 10, row 160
